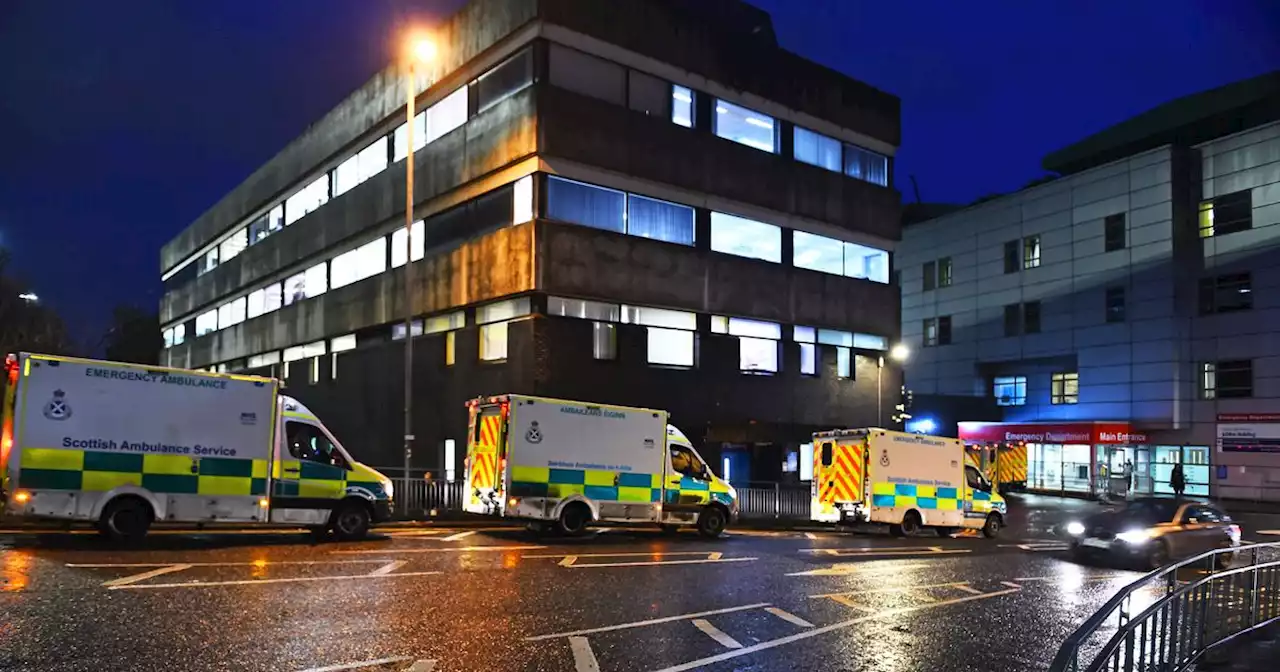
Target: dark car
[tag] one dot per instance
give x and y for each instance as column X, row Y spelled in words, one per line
column 1154, row 531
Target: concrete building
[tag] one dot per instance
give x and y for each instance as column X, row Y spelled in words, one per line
column 1125, row 312
column 650, row 204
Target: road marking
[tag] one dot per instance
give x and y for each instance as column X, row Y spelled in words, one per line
column 868, row 549
column 255, row 582
column 407, row 534
column 456, row 549
column 389, row 567
column 789, row 617
column 356, row 666
column 638, row 624
column 892, row 589
column 716, row 633
column 567, row 561
column 847, row 568
column 584, row 659
column 659, row 563
column 968, row 589
column 810, row 535
column 255, row 563
column 1011, row 584
column 459, row 535
column 621, row 555
column 825, row 629
column 1274, row 533
column 422, row 666
column 126, row 580
column 874, row 552
column 1099, row 577
column 841, row 599
column 1040, row 546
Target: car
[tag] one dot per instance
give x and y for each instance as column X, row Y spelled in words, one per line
column 1154, row 532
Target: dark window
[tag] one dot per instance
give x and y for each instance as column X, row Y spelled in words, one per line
column 944, row 330
column 649, row 95
column 659, row 220
column 1011, row 264
column 573, row 70
column 511, row 76
column 1230, row 379
column 1031, row 317
column 944, row 272
column 1114, row 232
column 585, row 204
column 930, row 328
column 1226, row 293
column 1012, row 319
column 1115, row 304
column 1228, row 213
column 930, row 275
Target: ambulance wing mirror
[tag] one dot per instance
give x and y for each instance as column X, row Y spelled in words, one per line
column 826, row 454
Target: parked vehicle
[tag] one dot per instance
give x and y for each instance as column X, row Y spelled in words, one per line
column 571, row 463
column 1154, row 531
column 123, row 445
column 906, row 481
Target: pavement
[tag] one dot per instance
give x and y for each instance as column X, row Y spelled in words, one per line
column 421, row 598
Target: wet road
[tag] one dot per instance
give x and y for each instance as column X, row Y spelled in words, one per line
column 438, row 598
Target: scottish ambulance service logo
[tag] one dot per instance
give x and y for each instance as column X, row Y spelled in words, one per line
column 534, row 435
column 58, row 408
column 884, row 457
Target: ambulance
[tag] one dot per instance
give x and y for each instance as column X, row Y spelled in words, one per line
column 566, row 464
column 906, row 481
column 124, row 445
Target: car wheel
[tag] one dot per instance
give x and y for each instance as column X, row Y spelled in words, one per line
column 991, row 528
column 351, row 521
column 574, row 519
column 126, row 520
column 711, row 522
column 1158, row 556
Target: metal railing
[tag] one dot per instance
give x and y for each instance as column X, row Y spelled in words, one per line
column 1178, row 621
column 773, row 500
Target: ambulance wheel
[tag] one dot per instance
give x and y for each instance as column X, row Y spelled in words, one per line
column 350, row 521
column 910, row 526
column 711, row 522
column 574, row 519
column 126, row 519
column 991, row 529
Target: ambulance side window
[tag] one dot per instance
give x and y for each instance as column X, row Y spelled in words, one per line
column 684, row 462
column 307, row 442
column 975, row 480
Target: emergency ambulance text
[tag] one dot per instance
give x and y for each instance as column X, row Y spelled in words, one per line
column 167, row 379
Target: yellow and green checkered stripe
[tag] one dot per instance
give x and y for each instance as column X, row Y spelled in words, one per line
column 99, row 471
column 606, row 486
column 916, row 496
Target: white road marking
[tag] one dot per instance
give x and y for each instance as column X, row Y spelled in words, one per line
column 356, row 666
column 405, row 534
column 639, row 624
column 258, row 563
column 134, row 578
column 1274, row 533
column 584, row 659
column 660, row 563
column 810, row 535
column 422, row 666
column 455, row 549
column 892, row 589
column 968, row 589
column 825, row 629
column 716, row 633
column 618, row 555
column 1095, row 577
column 458, row 536
column 789, row 617
column 1011, row 584
column 389, row 567
column 255, row 582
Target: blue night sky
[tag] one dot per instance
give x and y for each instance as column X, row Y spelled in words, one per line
column 124, row 121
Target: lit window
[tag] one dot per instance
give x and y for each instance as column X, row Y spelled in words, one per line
column 266, row 225
column 682, row 106
column 446, row 322
column 233, row 246
column 944, row 272
column 255, row 302
column 397, row 245
column 231, row 313
column 502, row 310
column 342, row 343
column 298, row 352
column 316, row 280
column 1209, row 380
column 313, row 371
column 866, row 165
column 1010, row 390
column 844, row 362
column 670, row 347
column 450, row 457
column 808, row 359
column 167, row 334
column 447, row 114
column 397, row 330
column 179, row 334
column 659, row 317
column 511, row 76
column 207, row 323
column 1064, row 388
column 363, row 262
column 265, row 359
column 745, row 126
column 494, row 319
column 833, row 337
column 209, row 262
column 306, row 200
column 659, row 220
column 757, row 344
column 604, row 340
column 745, row 238
column 817, row 253
column 305, row 285
column 346, row 176
column 373, row 159
column 493, row 342
column 866, row 263
column 275, row 219
column 817, row 149
column 401, row 135
column 586, row 310
column 522, row 200
column 584, row 204
column 1031, row 252
column 930, row 331
column 870, row 342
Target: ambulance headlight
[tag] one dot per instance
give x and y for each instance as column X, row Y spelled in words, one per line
column 389, row 488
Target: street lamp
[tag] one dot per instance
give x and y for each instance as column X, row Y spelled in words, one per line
column 897, row 353
column 29, row 297
column 420, row 50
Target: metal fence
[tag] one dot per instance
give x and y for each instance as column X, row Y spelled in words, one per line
column 773, row 500
column 1166, row 621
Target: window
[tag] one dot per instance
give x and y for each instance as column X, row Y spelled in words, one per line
column 1225, row 214
column 930, row 273
column 1064, row 388
column 522, row 200
column 590, row 76
column 866, row 263
column 1226, row 293
column 309, row 443
column 866, row 165
column 745, row 237
column 179, row 334
column 313, row 371
column 346, row 176
column 1115, row 304
column 397, row 329
column 808, row 350
column 682, row 106
column 604, row 340
column 659, row 317
column 493, row 342
column 670, row 347
column 265, row 359
column 256, row 301
column 442, row 323
column 817, row 253
column 685, row 462
column 944, row 272
column 167, row 335
column 586, row 310
column 342, row 343
column 1011, row 257
column 306, row 200
column 494, row 319
column 450, row 458
column 930, row 328
column 209, row 262
column 447, row 114
column 648, row 94
column 207, row 323
column 312, row 282
column 299, row 352
column 745, row 126
column 585, row 204
column 450, row 348
column 373, row 159
column 659, row 220
column 1010, row 390
column 1229, row 379
column 757, row 344
column 511, row 76
column 1031, row 252
column 817, row 149
column 419, row 136
column 363, row 262
column 266, row 225
column 231, row 313
column 833, row 337
column 844, row 368
column 397, row 245
column 233, row 246
column 1031, row 317
column 944, row 330
column 1012, row 319
column 870, row 342
column 1114, row 233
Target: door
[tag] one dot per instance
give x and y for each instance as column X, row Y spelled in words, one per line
column 1199, row 533
column 688, row 481
column 485, row 447
column 310, row 476
column 977, row 497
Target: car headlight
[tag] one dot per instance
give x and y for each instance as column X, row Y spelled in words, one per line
column 1134, row 537
column 388, row 488
column 1075, row 528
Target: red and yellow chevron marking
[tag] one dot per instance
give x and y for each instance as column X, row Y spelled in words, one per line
column 483, row 454
column 842, row 481
column 1011, row 465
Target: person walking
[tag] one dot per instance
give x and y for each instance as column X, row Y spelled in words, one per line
column 1178, row 480
column 1128, row 478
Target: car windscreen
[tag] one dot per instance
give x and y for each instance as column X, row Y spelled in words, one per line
column 1150, row 512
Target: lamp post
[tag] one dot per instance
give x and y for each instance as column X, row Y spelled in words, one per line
column 897, row 353
column 419, row 50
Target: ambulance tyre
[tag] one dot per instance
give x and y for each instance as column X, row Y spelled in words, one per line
column 126, row 519
column 909, row 527
column 350, row 521
column 991, row 529
column 574, row 518
column 712, row 521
